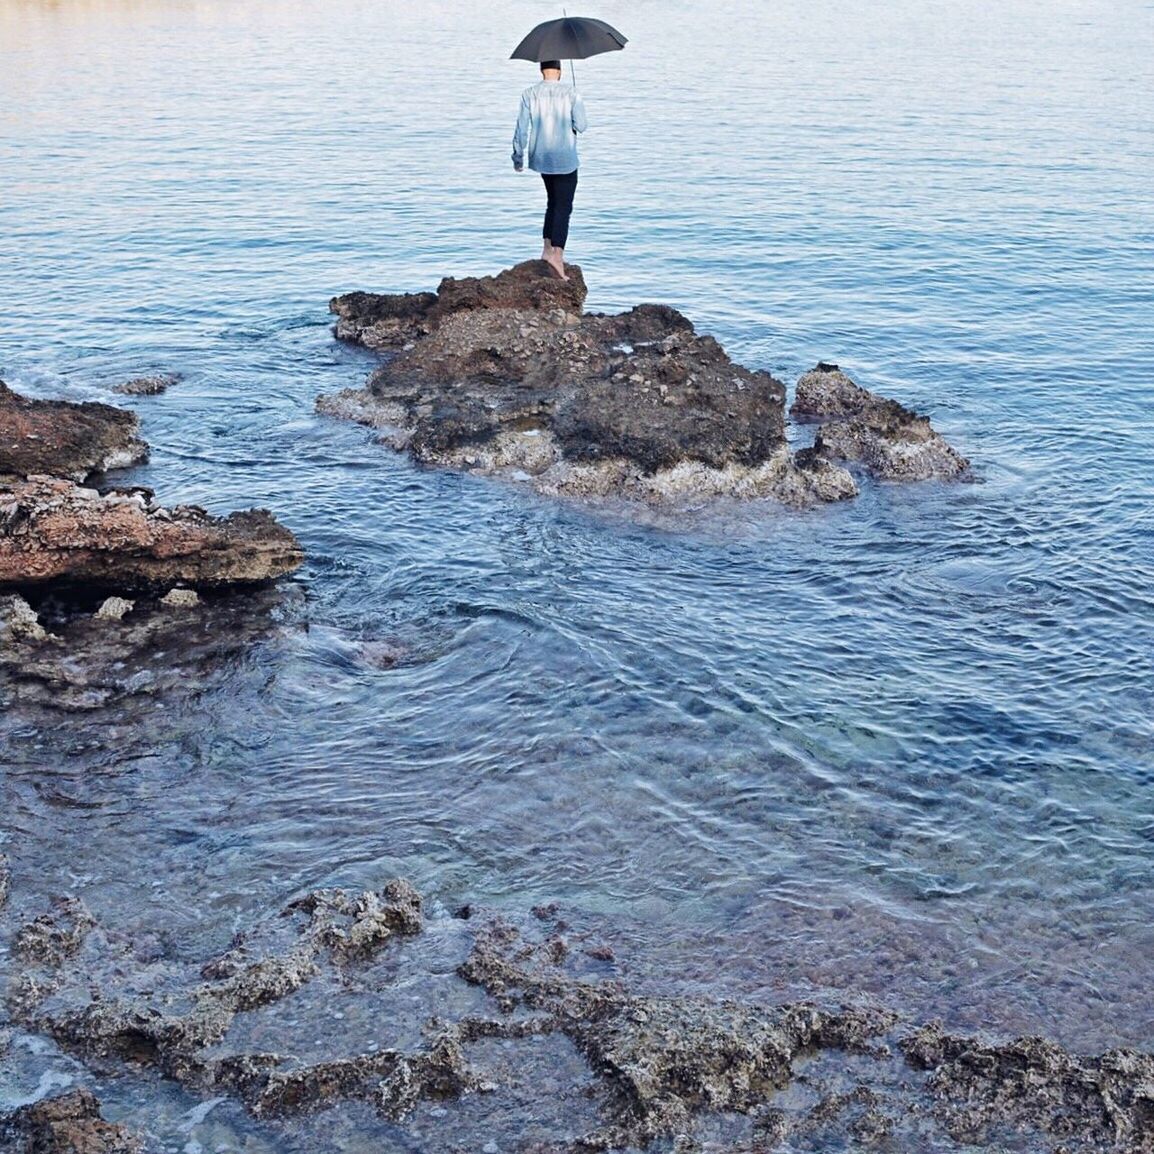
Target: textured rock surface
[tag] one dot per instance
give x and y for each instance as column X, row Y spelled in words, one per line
column 147, row 386
column 891, row 442
column 1108, row 1100
column 543, row 1010
column 62, row 658
column 65, row 439
column 68, row 1124
column 506, row 375
column 52, row 530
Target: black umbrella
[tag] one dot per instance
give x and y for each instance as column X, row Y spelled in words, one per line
column 570, row 38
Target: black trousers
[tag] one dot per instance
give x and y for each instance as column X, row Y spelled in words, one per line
column 559, row 188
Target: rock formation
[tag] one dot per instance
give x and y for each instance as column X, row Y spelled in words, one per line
column 507, row 375
column 67, row 1124
column 64, row 439
column 604, row 1067
column 57, row 533
column 54, row 530
column 890, row 441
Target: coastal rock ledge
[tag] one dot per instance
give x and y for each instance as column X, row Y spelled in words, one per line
column 507, row 375
column 55, row 529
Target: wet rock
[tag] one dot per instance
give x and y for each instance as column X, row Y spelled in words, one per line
column 56, row 936
column 86, row 663
column 173, row 1029
column 392, row 1081
column 505, row 375
column 68, row 1124
column 65, row 439
column 668, row 1057
column 5, row 880
column 1093, row 1103
column 891, row 442
column 52, row 530
column 114, row 608
column 19, row 621
column 637, row 1067
column 147, row 386
column 181, row 599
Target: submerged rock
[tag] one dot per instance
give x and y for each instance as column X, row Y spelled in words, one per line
column 528, row 1010
column 506, row 375
column 157, row 651
column 68, row 1124
column 147, row 386
column 64, row 439
column 1107, row 1101
column 891, row 442
column 52, row 530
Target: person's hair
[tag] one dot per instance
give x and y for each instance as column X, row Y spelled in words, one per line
column 547, row 64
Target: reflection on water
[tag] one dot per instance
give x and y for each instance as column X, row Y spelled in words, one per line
column 902, row 746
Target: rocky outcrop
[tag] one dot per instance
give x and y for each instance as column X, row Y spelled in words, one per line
column 507, row 375
column 65, row 439
column 543, row 1010
column 59, row 653
column 979, row 1086
column 52, row 530
column 891, row 442
column 68, row 1124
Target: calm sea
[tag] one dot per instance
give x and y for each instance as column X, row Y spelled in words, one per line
column 902, row 747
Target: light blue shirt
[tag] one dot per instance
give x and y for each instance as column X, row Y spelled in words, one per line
column 551, row 115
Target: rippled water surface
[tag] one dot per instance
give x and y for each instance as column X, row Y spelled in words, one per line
column 903, row 745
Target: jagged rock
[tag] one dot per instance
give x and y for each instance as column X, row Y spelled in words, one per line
column 391, row 320
column 114, row 608
column 1105, row 1102
column 19, row 620
column 639, row 1067
column 891, row 442
column 52, row 530
column 505, row 375
column 147, row 386
column 156, row 651
column 326, row 925
column 56, row 936
column 669, row 1057
column 5, row 883
column 181, row 599
column 65, row 439
column 68, row 1124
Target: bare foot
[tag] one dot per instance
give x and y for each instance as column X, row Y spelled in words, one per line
column 556, row 263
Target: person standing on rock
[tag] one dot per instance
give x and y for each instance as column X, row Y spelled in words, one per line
column 551, row 116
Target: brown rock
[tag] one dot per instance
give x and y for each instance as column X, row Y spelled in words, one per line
column 65, row 439
column 505, row 375
column 53, row 530
column 68, row 1124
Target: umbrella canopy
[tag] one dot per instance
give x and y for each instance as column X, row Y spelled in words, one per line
column 569, row 38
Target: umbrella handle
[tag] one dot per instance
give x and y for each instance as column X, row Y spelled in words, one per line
column 572, row 74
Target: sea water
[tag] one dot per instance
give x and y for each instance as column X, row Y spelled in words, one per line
column 902, row 746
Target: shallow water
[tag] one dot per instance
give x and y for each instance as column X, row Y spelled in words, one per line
column 901, row 746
